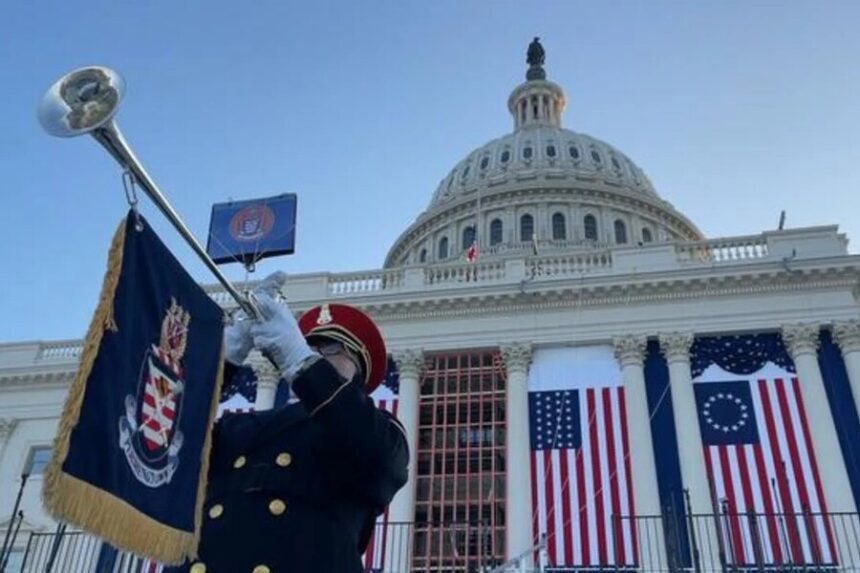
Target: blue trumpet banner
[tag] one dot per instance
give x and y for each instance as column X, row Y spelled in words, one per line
column 247, row 231
column 131, row 455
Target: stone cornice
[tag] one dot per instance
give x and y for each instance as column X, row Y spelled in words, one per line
column 630, row 349
column 847, row 335
column 23, row 377
column 409, row 362
column 801, row 339
column 517, row 357
column 675, row 346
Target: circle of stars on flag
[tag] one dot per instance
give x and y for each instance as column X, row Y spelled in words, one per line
column 741, row 410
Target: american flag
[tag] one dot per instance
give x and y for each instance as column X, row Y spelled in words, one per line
column 582, row 490
column 761, row 465
column 386, row 398
column 472, row 253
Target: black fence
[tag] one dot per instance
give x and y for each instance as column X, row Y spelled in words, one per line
column 724, row 543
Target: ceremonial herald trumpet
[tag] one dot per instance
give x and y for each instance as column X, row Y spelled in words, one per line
column 85, row 101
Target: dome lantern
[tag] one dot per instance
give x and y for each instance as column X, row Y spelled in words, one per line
column 537, row 101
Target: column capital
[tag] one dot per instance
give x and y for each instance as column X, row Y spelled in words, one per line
column 630, row 349
column 847, row 335
column 267, row 374
column 409, row 362
column 801, row 338
column 517, row 357
column 675, row 346
column 7, row 426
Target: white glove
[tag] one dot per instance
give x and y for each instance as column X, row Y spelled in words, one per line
column 277, row 334
column 238, row 341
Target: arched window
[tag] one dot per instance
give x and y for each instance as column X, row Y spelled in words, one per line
column 443, row 248
column 496, row 232
column 620, row 232
column 590, row 224
column 422, row 258
column 527, row 227
column 468, row 237
column 646, row 236
column 559, row 229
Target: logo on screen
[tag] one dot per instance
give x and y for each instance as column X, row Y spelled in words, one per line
column 252, row 223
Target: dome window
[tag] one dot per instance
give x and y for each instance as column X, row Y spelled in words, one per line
column 465, row 172
column 450, row 182
column 468, row 237
column 506, row 156
column 527, row 152
column 496, row 232
column 550, row 151
column 615, row 164
column 573, row 151
column 559, row 229
column 646, row 236
column 485, row 161
column 527, row 228
column 620, row 232
column 443, row 248
column 590, row 225
column 422, row 258
column 596, row 157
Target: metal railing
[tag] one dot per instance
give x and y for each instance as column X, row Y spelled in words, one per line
column 714, row 543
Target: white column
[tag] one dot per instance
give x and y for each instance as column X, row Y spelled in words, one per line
column 676, row 348
column 802, row 341
column 630, row 353
column 519, row 507
column 399, row 538
column 847, row 336
column 267, row 381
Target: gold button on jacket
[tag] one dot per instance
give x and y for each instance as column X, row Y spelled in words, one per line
column 198, row 568
column 240, row 462
column 277, row 506
column 284, row 459
column 261, row 569
column 216, row 510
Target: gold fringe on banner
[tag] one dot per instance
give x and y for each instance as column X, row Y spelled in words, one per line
column 75, row 501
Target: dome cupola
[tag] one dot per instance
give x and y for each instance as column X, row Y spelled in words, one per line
column 540, row 185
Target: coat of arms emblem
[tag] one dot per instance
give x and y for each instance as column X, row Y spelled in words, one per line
column 149, row 433
column 252, row 223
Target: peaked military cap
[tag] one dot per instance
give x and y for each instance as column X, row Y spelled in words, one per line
column 355, row 330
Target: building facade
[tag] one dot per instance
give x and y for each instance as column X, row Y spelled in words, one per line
column 587, row 382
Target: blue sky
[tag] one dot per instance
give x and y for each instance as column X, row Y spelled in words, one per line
column 736, row 110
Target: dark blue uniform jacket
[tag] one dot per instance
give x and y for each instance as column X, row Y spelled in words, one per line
column 297, row 489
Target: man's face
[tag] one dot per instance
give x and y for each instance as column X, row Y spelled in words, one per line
column 343, row 360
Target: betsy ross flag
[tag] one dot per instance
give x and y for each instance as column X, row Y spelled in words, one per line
column 386, row 398
column 759, row 454
column 582, row 489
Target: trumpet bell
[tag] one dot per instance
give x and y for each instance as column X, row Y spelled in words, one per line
column 81, row 101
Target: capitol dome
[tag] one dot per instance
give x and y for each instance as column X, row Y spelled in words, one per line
column 541, row 187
